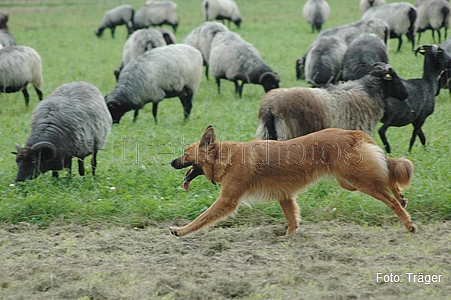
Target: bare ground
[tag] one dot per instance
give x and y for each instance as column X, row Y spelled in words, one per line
column 325, row 260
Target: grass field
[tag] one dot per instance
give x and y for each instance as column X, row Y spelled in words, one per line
column 136, row 159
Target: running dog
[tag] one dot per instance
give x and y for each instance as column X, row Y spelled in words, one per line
column 265, row 170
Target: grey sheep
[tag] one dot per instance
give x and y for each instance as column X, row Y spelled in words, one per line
column 3, row 20
column 316, row 12
column 286, row 113
column 222, row 10
column 6, row 39
column 201, row 38
column 365, row 4
column 348, row 33
column 400, row 16
column 420, row 103
column 362, row 54
column 20, row 66
column 324, row 61
column 120, row 15
column 72, row 122
column 234, row 59
column 433, row 15
column 164, row 72
column 157, row 13
column 139, row 42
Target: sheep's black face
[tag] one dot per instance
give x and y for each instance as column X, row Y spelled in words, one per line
column 393, row 86
column 116, row 111
column 27, row 165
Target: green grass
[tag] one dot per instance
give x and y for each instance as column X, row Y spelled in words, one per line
column 136, row 159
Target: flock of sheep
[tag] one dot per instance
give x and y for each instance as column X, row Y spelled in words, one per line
column 353, row 85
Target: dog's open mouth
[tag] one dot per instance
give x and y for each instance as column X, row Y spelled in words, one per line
column 190, row 175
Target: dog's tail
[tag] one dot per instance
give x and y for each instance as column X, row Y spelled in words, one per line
column 267, row 126
column 400, row 170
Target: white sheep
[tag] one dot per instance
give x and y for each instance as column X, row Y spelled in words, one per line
column 164, row 72
column 400, row 16
column 316, row 12
column 234, row 59
column 433, row 15
column 120, row 15
column 222, row 10
column 365, row 4
column 286, row 113
column 73, row 121
column 139, row 42
column 201, row 38
column 324, row 61
column 20, row 66
column 156, row 13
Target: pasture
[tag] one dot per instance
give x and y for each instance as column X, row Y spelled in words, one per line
column 76, row 238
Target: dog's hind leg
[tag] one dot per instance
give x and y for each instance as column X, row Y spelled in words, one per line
column 291, row 211
column 345, row 184
column 221, row 208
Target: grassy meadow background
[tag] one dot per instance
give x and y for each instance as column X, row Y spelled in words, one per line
column 136, row 159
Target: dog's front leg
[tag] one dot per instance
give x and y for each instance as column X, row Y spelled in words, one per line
column 291, row 211
column 221, row 208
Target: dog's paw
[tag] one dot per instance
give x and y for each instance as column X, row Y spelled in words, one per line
column 413, row 229
column 173, row 231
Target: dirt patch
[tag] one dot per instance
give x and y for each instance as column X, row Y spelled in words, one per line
column 326, row 260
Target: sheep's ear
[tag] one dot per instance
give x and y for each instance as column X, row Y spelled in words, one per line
column 209, row 136
column 422, row 49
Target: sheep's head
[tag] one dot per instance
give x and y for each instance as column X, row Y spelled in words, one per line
column 117, row 110
column 392, row 84
column 36, row 159
column 436, row 57
column 269, row 80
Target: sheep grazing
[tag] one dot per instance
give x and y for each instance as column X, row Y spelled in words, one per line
column 19, row 66
column 165, row 72
column 157, row 13
column 420, row 103
column 222, row 10
column 348, row 33
column 316, row 12
column 400, row 16
column 433, row 15
column 72, row 122
column 139, row 42
column 6, row 39
column 120, row 15
column 234, row 59
column 286, row 113
column 362, row 54
column 324, row 61
column 201, row 38
column 365, row 4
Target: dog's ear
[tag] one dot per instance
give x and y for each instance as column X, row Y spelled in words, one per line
column 209, row 136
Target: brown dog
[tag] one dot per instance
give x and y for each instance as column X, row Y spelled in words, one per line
column 273, row 170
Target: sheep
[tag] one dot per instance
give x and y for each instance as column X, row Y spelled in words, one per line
column 222, row 10
column 445, row 76
column 72, row 122
column 348, row 33
column 316, row 12
column 433, row 15
column 201, row 38
column 139, row 42
column 120, row 15
column 234, row 59
column 324, row 61
column 6, row 39
column 362, row 54
column 164, row 72
column 3, row 20
column 19, row 66
column 400, row 16
column 168, row 35
column 286, row 113
column 157, row 13
column 420, row 103
column 365, row 4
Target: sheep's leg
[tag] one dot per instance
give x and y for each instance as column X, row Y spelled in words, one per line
column 422, row 137
column 38, row 91
column 218, row 82
column 439, row 34
column 416, row 130
column 419, row 36
column 382, row 131
column 399, row 42
column 187, row 102
column 206, row 71
column 154, row 111
column 81, row 166
column 112, row 32
column 136, row 114
column 26, row 95
column 55, row 174
column 94, row 161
